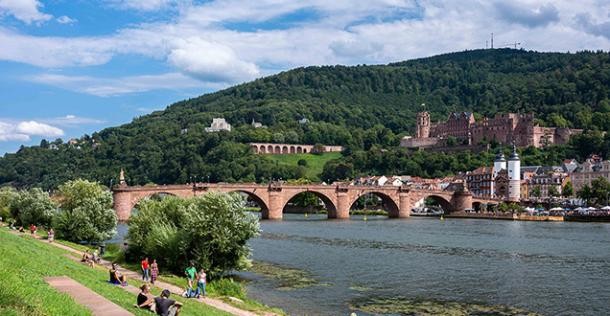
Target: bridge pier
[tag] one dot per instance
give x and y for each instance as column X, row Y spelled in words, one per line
column 404, row 207
column 343, row 205
column 461, row 201
column 122, row 205
column 276, row 207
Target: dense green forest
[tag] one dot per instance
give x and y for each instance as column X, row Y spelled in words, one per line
column 367, row 109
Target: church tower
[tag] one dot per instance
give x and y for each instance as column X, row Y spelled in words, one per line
column 514, row 176
column 423, row 125
column 499, row 165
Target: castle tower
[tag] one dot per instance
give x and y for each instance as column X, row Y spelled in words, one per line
column 514, row 176
column 423, row 125
column 499, row 165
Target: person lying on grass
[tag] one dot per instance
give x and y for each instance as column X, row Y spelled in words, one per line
column 165, row 306
column 116, row 277
column 145, row 299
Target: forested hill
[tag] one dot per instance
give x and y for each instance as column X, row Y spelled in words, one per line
column 359, row 107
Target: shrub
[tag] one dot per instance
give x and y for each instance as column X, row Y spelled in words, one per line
column 211, row 230
column 86, row 212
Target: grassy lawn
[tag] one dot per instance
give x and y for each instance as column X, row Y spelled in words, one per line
column 315, row 163
column 25, row 262
column 220, row 289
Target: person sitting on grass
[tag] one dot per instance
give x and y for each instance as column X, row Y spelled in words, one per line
column 166, row 306
column 116, row 277
column 87, row 258
column 145, row 299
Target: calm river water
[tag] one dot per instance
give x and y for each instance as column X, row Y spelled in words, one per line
column 544, row 267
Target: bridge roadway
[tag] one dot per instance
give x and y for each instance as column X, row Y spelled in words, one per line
column 272, row 198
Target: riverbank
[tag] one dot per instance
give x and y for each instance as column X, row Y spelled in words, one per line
column 227, row 294
column 25, row 263
column 506, row 216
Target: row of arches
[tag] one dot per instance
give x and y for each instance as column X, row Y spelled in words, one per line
column 377, row 199
column 280, row 149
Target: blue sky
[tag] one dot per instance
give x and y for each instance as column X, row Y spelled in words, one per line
column 70, row 67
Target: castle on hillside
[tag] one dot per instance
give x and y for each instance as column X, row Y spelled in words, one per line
column 518, row 129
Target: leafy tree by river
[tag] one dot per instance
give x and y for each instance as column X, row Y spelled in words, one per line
column 32, row 206
column 211, row 229
column 86, row 212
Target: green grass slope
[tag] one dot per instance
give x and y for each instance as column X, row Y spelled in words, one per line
column 315, row 163
column 25, row 262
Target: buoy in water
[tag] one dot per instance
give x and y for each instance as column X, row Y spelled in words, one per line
column 364, row 218
column 442, row 218
column 306, row 215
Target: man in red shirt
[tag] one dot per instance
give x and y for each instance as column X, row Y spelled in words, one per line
column 145, row 270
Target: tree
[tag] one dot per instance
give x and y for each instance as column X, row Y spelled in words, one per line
column 585, row 193
column 553, row 191
column 536, row 191
column 600, row 191
column 86, row 212
column 212, row 229
column 568, row 190
column 33, row 206
column 7, row 196
column 318, row 149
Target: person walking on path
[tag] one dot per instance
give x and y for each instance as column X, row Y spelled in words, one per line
column 51, row 235
column 190, row 272
column 154, row 271
column 145, row 270
column 201, row 282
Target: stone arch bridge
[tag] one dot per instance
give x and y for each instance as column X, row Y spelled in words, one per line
column 272, row 198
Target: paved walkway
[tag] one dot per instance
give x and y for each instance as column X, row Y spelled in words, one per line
column 216, row 303
column 98, row 304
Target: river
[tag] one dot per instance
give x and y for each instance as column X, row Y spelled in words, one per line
column 552, row 268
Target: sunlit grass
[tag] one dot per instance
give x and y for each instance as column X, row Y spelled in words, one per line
column 25, row 263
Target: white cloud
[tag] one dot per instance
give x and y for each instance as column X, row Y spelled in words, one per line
column 22, row 131
column 72, row 120
column 209, row 61
column 65, row 20
column 203, row 41
column 106, row 87
column 140, row 5
column 24, row 10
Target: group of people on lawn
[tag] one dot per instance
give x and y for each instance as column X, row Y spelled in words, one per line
column 162, row 305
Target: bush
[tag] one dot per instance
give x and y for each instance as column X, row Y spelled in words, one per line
column 211, row 230
column 33, row 207
column 86, row 212
column 302, row 162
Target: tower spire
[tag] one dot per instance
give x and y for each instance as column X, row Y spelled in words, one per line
column 122, row 178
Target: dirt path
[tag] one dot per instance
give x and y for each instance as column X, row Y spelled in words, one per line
column 81, row 294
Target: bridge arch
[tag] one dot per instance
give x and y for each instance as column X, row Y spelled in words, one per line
column 255, row 198
column 388, row 203
column 442, row 202
column 329, row 204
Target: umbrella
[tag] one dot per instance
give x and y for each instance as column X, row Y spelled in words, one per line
column 606, row 208
column 556, row 209
column 529, row 209
column 590, row 208
column 580, row 209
